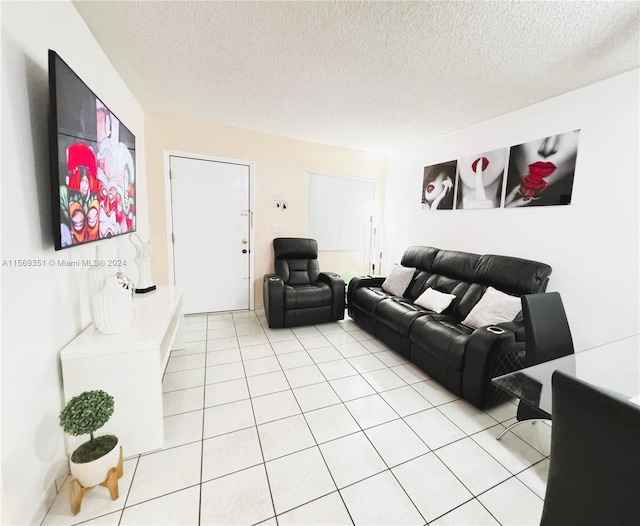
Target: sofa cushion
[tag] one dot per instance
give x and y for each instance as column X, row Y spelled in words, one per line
column 398, row 314
column 494, row 307
column 434, row 300
column 367, row 298
column 398, row 280
column 442, row 336
column 307, row 296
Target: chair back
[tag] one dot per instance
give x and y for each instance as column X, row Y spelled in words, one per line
column 594, row 473
column 547, row 332
column 296, row 260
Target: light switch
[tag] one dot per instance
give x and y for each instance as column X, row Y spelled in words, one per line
column 274, row 228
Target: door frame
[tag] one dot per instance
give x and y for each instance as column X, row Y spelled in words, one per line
column 166, row 155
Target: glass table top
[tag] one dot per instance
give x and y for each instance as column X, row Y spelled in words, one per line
column 613, row 366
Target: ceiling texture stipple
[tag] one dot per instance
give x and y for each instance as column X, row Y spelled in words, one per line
column 360, row 74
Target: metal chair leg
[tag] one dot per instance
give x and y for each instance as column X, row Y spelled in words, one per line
column 532, row 420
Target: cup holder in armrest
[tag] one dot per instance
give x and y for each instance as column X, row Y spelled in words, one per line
column 496, row 330
column 274, row 278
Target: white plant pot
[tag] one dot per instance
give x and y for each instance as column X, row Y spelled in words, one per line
column 113, row 308
column 92, row 473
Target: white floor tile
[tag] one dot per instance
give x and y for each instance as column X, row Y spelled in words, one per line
column 391, row 358
column 361, row 335
column 511, row 451
column 182, row 429
column 374, row 345
column 224, row 373
column 220, row 323
column 224, row 356
column 165, row 472
column 366, row 363
column 314, row 342
column 231, row 452
column 410, row 373
column 434, row 392
column 396, row 442
column 340, row 338
column 260, row 350
column 249, row 328
column 371, row 411
column 96, row 503
column 285, row 436
column 305, row 332
column 222, row 344
column 332, row 422
column 330, row 328
column 435, row 429
column 348, row 324
column 182, row 380
column 267, row 383
column 536, row 434
column 351, row 387
column 248, row 340
column 324, row 354
column 315, row 396
column 405, row 400
column 351, row 459
column 228, row 417
column 384, row 380
column 257, row 366
column 275, row 406
column 301, row 376
column 286, row 346
column 191, row 348
column 470, row 513
column 295, row 359
column 298, row 478
column 475, row 468
column 225, row 392
column 183, row 363
column 195, row 325
column 179, row 508
column 380, row 500
column 279, row 335
column 195, row 336
column 240, row 498
column 432, row 487
column 502, row 412
column 513, row 503
column 351, row 350
column 224, row 332
column 337, row 369
column 183, row 401
column 112, row 519
column 325, row 511
column 467, row 417
column 535, row 477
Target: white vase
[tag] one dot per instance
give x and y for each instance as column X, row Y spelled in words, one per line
column 112, row 308
column 92, row 473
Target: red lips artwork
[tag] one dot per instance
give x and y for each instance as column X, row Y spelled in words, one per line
column 533, row 183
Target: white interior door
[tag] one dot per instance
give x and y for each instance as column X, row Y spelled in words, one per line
column 210, row 202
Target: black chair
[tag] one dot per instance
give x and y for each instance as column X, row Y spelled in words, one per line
column 594, row 472
column 298, row 293
column 547, row 336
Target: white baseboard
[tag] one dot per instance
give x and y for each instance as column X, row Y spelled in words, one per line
column 51, row 492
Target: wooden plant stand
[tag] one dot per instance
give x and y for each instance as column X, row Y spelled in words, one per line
column 77, row 491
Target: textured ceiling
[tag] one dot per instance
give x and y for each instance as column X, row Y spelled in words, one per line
column 360, row 74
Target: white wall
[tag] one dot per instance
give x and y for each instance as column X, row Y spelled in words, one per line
column 591, row 244
column 43, row 308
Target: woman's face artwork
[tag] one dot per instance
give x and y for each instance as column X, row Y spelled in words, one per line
column 491, row 163
column 434, row 188
column 550, row 158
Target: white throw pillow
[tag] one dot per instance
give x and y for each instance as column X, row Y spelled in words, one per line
column 434, row 300
column 398, row 280
column 493, row 307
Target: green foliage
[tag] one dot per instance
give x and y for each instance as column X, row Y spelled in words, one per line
column 94, row 449
column 86, row 413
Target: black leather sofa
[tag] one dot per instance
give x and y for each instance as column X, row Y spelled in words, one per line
column 297, row 293
column 459, row 357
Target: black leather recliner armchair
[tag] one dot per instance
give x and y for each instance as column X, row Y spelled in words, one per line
column 298, row 293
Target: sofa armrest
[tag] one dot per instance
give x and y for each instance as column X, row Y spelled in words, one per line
column 490, row 351
column 365, row 281
column 336, row 283
column 273, row 298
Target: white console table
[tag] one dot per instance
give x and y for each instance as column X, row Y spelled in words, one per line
column 129, row 366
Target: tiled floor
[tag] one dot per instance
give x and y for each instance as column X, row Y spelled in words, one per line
column 318, row 425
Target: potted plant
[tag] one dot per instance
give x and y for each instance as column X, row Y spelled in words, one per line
column 85, row 414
